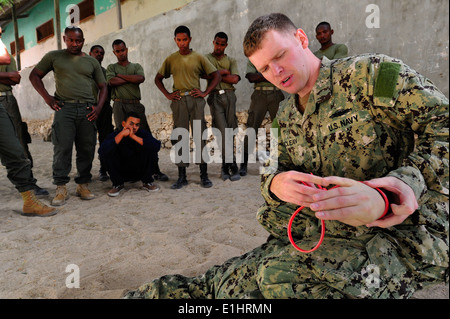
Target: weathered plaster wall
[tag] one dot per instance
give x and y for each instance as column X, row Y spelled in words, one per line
column 415, row 31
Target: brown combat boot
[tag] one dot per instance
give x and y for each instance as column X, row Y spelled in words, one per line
column 83, row 192
column 61, row 195
column 33, row 207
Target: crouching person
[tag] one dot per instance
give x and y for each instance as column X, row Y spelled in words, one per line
column 130, row 154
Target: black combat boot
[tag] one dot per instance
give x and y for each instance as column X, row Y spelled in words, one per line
column 224, row 172
column 243, row 168
column 234, row 172
column 204, row 180
column 182, row 181
column 159, row 176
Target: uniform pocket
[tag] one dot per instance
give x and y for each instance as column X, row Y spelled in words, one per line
column 351, row 147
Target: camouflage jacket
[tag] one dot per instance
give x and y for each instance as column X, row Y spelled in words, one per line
column 369, row 116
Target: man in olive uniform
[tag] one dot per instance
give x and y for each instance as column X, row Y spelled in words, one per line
column 266, row 97
column 9, row 76
column 125, row 77
column 334, row 133
column 12, row 156
column 77, row 109
column 329, row 49
column 222, row 103
column 187, row 100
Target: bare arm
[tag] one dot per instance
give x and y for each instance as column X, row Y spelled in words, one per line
column 121, row 79
column 231, row 78
column 36, row 80
column 255, row 77
column 127, row 132
column 227, row 77
column 216, row 78
column 10, row 78
column 102, row 95
column 159, row 83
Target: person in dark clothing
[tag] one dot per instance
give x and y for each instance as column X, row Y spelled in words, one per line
column 104, row 120
column 130, row 154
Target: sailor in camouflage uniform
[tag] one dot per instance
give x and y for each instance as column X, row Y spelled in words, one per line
column 353, row 120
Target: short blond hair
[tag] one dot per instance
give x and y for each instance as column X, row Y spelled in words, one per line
column 259, row 27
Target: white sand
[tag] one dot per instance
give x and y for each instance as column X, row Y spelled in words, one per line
column 121, row 243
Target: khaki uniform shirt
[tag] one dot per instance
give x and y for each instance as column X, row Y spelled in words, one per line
column 128, row 91
column 74, row 75
column 186, row 70
column 225, row 63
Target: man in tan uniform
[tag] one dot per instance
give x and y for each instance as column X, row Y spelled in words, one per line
column 125, row 77
column 222, row 103
column 188, row 103
column 265, row 98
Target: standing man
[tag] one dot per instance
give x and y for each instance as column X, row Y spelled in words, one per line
column 9, row 76
column 104, row 120
column 222, row 102
column 187, row 100
column 125, row 77
column 77, row 109
column 349, row 123
column 327, row 47
column 129, row 155
column 12, row 156
column 266, row 97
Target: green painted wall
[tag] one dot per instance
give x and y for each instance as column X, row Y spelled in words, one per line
column 43, row 12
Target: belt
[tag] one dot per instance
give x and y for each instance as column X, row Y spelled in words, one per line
column 127, row 101
column 6, row 93
column 222, row 91
column 267, row 88
column 74, row 101
column 183, row 93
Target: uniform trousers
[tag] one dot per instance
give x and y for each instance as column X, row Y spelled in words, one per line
column 104, row 122
column 223, row 112
column 10, row 104
column 262, row 101
column 122, row 168
column 122, row 107
column 185, row 111
column 12, row 156
column 71, row 126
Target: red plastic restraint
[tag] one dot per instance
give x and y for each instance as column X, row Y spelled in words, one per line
column 322, row 233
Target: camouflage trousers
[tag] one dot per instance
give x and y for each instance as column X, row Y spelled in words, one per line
column 276, row 270
column 352, row 262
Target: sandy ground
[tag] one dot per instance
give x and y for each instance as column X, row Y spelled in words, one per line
column 121, row 243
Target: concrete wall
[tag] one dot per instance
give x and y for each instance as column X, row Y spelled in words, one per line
column 416, row 31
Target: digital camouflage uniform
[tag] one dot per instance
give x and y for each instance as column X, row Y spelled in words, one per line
column 360, row 122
